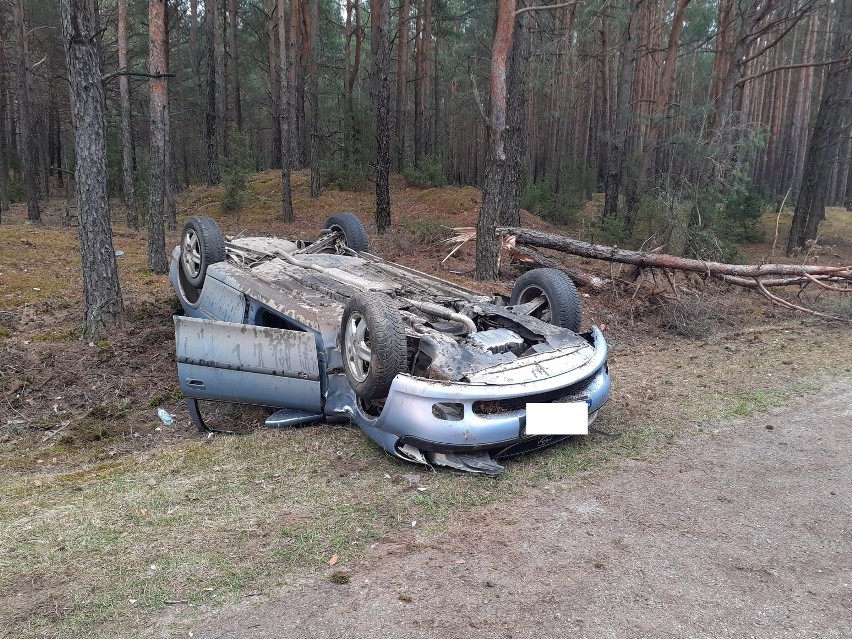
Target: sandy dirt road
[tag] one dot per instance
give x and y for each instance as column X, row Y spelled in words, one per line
column 744, row 530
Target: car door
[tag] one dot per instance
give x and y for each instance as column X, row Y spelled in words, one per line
column 247, row 364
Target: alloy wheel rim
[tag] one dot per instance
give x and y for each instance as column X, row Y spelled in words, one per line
column 191, row 253
column 357, row 347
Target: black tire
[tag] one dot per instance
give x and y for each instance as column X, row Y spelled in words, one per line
column 201, row 244
column 353, row 229
column 374, row 320
column 562, row 307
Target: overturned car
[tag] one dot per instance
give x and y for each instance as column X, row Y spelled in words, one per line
column 432, row 372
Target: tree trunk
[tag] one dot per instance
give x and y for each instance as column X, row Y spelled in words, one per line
column 235, row 63
column 198, row 98
column 600, row 125
column 802, row 110
column 844, row 169
column 103, row 304
column 516, row 122
column 126, row 125
column 348, row 122
column 212, row 129
column 847, row 199
column 436, row 98
column 421, row 77
column 4, row 189
column 169, row 155
column 159, row 104
column 286, row 109
column 295, row 94
column 427, row 46
column 832, row 120
column 54, row 158
column 401, row 120
column 496, row 188
column 658, row 111
column 380, row 41
column 350, row 76
column 312, row 18
column 29, row 151
column 40, row 130
column 220, row 20
column 617, row 151
column 723, row 58
column 302, row 86
column 274, row 80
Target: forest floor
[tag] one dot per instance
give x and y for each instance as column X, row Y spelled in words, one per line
column 111, row 522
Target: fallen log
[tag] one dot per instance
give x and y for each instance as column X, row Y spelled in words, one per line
column 758, row 277
column 564, row 244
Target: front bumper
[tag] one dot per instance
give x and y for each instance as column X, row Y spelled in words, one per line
column 408, row 416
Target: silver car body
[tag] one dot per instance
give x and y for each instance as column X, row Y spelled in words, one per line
column 265, row 329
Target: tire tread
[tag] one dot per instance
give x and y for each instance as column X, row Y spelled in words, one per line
column 353, row 228
column 388, row 343
column 565, row 310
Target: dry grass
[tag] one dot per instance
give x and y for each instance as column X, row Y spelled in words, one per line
column 114, row 520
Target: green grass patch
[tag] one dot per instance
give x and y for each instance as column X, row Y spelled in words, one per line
column 749, row 404
column 427, row 231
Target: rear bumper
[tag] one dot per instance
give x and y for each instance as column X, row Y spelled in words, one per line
column 408, row 417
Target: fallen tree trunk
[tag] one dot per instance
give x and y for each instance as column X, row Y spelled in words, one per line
column 721, row 270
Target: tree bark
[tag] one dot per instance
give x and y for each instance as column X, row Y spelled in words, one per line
column 401, row 120
column 126, row 125
column 103, row 304
column 302, row 86
column 658, row 110
column 380, row 46
column 802, row 110
column 212, row 129
column 29, row 153
column 198, row 99
column 724, row 54
column 235, row 63
column 844, row 169
column 286, row 109
column 436, row 97
column 617, row 152
column 421, row 77
column 159, row 104
column 220, row 18
column 529, row 237
column 4, row 189
column 833, row 120
column 312, row 18
column 54, row 156
column 274, row 79
column 427, row 47
column 516, row 121
column 348, row 121
column 169, row 164
column 496, row 187
column 296, row 88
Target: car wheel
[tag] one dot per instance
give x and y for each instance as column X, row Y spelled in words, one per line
column 373, row 344
column 201, row 245
column 561, row 302
column 353, row 230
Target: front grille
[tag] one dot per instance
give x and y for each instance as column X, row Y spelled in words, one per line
column 500, row 406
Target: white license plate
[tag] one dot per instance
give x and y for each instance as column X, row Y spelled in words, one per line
column 569, row 418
